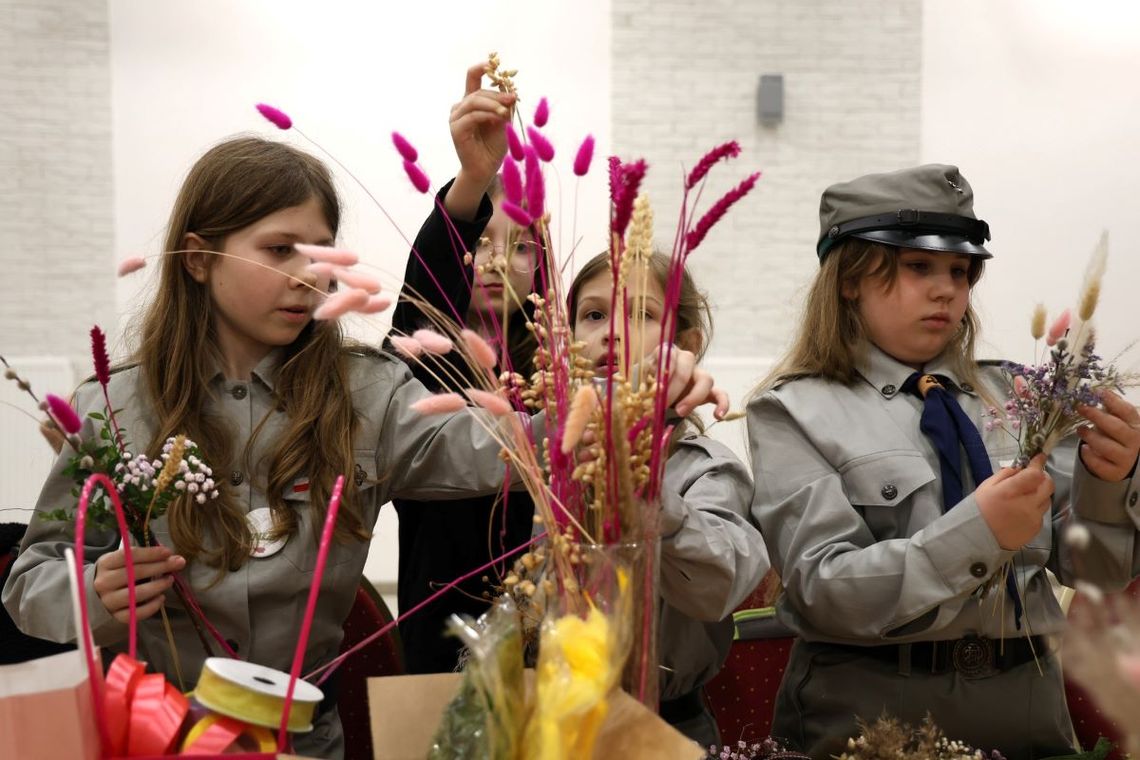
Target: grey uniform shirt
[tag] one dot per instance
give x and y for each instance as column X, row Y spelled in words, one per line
column 259, row 607
column 849, row 502
column 711, row 559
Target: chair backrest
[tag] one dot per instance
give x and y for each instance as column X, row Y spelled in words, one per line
column 383, row 657
column 743, row 694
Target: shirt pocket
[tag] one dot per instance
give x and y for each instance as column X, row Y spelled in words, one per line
column 301, row 549
column 885, row 487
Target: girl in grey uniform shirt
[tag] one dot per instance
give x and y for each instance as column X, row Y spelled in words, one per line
column 882, row 557
column 711, row 556
column 280, row 406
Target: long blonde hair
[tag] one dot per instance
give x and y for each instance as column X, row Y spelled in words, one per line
column 233, row 185
column 832, row 339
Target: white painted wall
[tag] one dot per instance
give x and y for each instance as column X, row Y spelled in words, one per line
column 1037, row 102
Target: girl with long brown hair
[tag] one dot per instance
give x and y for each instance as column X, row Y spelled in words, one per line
column 280, row 405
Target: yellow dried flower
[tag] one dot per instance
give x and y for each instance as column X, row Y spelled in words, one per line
column 1037, row 324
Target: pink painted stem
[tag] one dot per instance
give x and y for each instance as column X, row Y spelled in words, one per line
column 94, row 673
column 310, row 609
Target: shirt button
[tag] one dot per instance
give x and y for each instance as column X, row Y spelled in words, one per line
column 236, row 478
column 979, row 570
column 889, row 492
column 888, row 390
column 1133, row 498
column 239, row 392
column 967, row 387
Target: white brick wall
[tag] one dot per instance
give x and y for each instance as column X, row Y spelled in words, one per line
column 685, row 77
column 55, row 178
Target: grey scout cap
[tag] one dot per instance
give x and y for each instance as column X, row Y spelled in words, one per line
column 928, row 207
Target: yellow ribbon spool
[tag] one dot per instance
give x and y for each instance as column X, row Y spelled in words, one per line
column 262, row 737
column 255, row 694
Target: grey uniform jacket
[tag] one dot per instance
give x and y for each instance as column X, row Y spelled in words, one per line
column 849, row 501
column 259, row 607
column 711, row 559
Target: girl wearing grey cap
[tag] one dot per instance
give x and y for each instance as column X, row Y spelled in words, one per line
column 876, row 495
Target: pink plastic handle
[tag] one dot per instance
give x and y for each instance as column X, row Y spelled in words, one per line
column 310, row 609
column 94, row 674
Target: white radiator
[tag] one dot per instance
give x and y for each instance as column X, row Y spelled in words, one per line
column 25, row 457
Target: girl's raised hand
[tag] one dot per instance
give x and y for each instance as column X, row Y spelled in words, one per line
column 1111, row 444
column 690, row 386
column 1013, row 501
column 153, row 565
column 477, row 124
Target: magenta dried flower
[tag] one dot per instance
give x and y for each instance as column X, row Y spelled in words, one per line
column 516, row 213
column 99, row 356
column 512, row 181
column 63, row 414
column 542, row 146
column 279, row 118
column 541, row 113
column 416, row 175
column 584, row 156
column 628, row 182
column 729, row 149
column 514, row 144
column 407, row 151
column 714, row 214
column 535, row 185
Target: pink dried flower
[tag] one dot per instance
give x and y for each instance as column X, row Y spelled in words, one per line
column 355, row 279
column 480, row 349
column 543, row 147
column 407, row 151
column 584, row 156
column 516, row 213
column 714, row 214
column 440, row 403
column 376, row 304
column 541, row 113
column 279, row 118
column 512, row 181
column 535, row 186
column 433, row 342
column 419, row 180
column 624, row 193
column 63, row 414
column 514, row 144
column 729, row 149
column 340, row 303
column 99, row 356
column 338, row 256
column 1059, row 327
column 130, row 265
column 493, row 403
column 406, row 345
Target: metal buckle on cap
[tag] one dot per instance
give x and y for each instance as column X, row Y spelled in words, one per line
column 973, row 657
column 908, row 216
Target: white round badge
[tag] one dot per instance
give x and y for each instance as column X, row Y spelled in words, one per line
column 261, row 525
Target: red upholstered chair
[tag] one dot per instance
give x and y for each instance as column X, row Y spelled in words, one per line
column 743, row 694
column 383, row 657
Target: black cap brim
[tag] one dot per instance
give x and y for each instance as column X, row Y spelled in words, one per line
column 926, row 242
